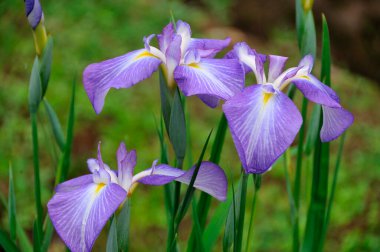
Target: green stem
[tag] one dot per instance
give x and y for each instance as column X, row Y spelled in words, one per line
column 253, row 206
column 37, row 183
column 240, row 227
column 297, row 180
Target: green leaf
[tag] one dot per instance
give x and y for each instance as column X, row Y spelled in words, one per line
column 48, row 234
column 190, row 190
column 213, row 229
column 45, row 66
column 56, row 126
column 241, row 211
column 177, row 127
column 123, row 222
column 6, row 243
column 230, row 227
column 166, row 100
column 313, row 132
column 112, row 237
column 36, row 237
column 35, row 90
column 326, row 54
column 198, row 231
column 309, row 41
column 12, row 206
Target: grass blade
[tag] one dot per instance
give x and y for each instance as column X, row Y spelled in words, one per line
column 257, row 182
column 241, row 210
column 230, row 227
column 12, row 206
column 198, row 231
column 6, row 243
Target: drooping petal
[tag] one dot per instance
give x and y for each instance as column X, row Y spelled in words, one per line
column 263, row 123
column 276, row 66
column 158, row 175
column 335, row 122
column 208, row 47
column 221, row 78
column 209, row 100
column 210, row 179
column 126, row 162
column 79, row 214
column 74, row 183
column 316, row 91
column 120, row 72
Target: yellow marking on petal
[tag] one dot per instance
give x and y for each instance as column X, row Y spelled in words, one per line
column 305, row 77
column 195, row 65
column 99, row 187
column 266, row 97
column 144, row 54
column 132, row 188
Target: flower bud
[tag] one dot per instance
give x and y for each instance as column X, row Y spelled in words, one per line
column 307, row 5
column 33, row 12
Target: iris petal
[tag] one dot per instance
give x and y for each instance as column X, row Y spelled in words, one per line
column 208, row 47
column 221, row 78
column 79, row 213
column 263, row 123
column 120, row 72
column 126, row 162
column 335, row 122
column 276, row 66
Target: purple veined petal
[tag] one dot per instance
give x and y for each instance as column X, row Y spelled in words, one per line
column 147, row 41
column 232, row 55
column 79, row 214
column 307, row 61
column 173, row 57
column 33, row 11
column 126, row 162
column 208, row 47
column 74, row 183
column 209, row 100
column 316, row 91
column 192, row 56
column 251, row 59
column 165, row 37
column 276, row 66
column 183, row 29
column 120, row 72
column 210, row 179
column 158, row 175
column 263, row 123
column 221, row 78
column 335, row 122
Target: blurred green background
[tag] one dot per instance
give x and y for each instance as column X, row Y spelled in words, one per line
column 88, row 31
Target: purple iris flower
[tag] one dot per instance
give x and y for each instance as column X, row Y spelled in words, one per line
column 264, row 121
column 34, row 13
column 184, row 60
column 82, row 206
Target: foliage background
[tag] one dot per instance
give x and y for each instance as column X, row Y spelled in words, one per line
column 90, row 31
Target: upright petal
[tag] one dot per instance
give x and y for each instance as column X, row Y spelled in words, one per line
column 249, row 58
column 263, row 123
column 165, row 37
column 308, row 62
column 173, row 57
column 120, row 72
column 276, row 66
column 79, row 213
column 221, row 78
column 126, row 162
column 208, row 48
column 183, row 29
column 335, row 122
column 210, row 179
column 316, row 91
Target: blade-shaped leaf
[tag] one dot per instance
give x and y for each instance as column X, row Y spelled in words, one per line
column 112, row 237
column 198, row 231
column 123, row 222
column 313, row 132
column 12, row 206
column 56, row 126
column 35, row 89
column 230, row 227
column 45, row 66
column 166, row 100
column 177, row 127
column 6, row 243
